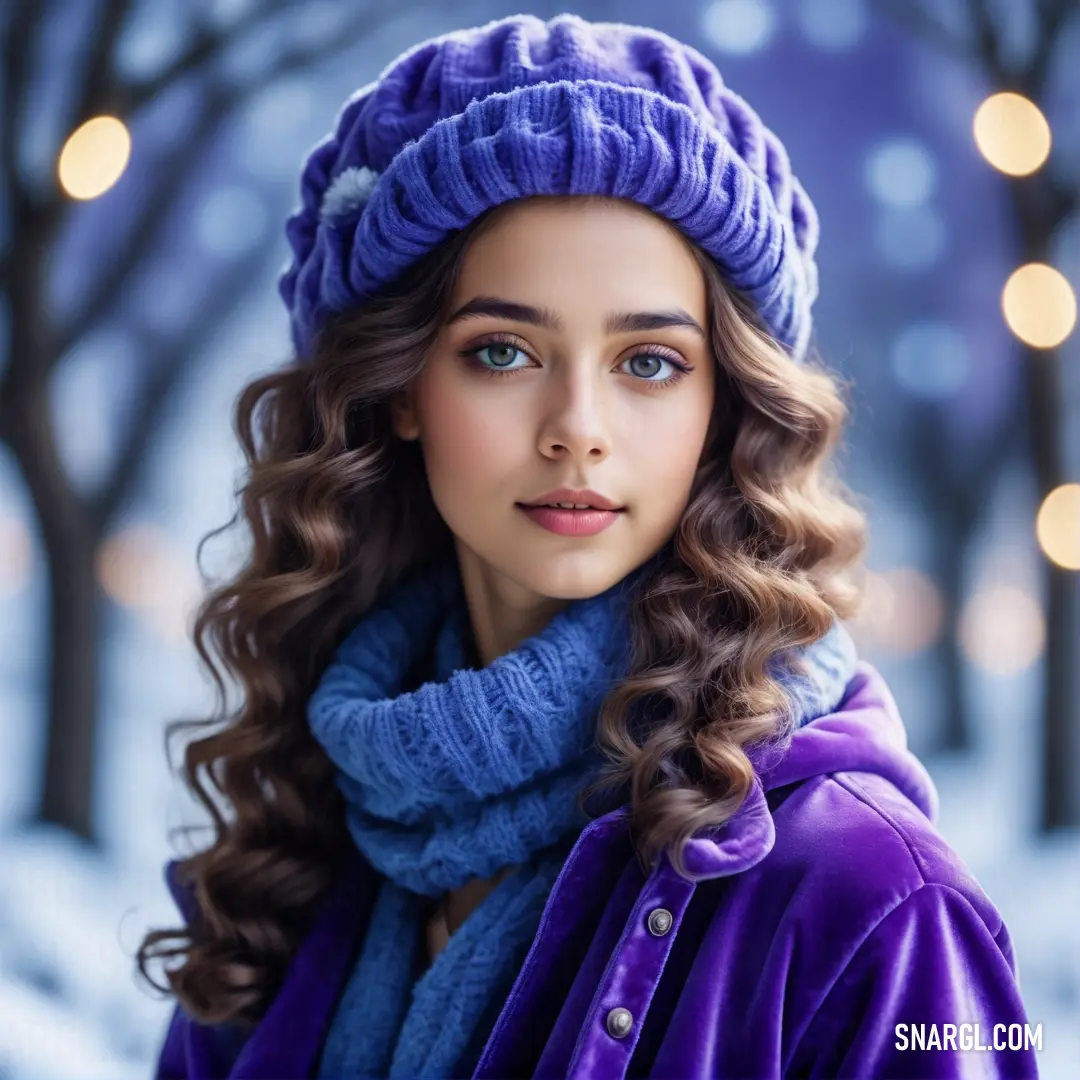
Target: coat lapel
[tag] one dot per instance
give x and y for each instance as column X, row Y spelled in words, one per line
column 599, row 869
column 288, row 1039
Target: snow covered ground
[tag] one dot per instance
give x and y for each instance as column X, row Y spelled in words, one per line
column 69, row 923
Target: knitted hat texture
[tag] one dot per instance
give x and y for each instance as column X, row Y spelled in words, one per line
column 521, row 107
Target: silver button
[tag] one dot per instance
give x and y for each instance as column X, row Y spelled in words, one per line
column 619, row 1022
column 659, row 921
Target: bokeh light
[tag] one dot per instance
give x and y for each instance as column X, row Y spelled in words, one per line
column 1039, row 305
column 1057, row 526
column 276, row 119
column 85, row 390
column 231, row 221
column 1001, row 629
column 140, row 569
column 930, row 360
column 153, row 35
column 901, row 172
column 94, row 157
column 165, row 298
column 909, row 238
column 1012, row 133
column 129, row 562
column 833, row 25
column 739, row 26
column 15, row 555
column 903, row 611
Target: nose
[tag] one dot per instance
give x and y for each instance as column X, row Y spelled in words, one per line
column 574, row 423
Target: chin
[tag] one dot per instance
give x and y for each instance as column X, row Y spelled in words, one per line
column 572, row 577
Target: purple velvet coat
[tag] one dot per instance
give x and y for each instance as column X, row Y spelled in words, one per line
column 829, row 911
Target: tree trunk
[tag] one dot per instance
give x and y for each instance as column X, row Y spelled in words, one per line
column 1060, row 698
column 70, row 540
column 1061, row 741
column 74, row 685
column 1045, row 402
column 956, row 734
column 928, row 458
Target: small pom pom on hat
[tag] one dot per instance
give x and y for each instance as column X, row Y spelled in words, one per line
column 519, row 107
column 348, row 192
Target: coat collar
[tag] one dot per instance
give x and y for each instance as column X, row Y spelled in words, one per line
column 864, row 733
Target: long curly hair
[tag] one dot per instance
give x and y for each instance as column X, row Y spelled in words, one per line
column 763, row 560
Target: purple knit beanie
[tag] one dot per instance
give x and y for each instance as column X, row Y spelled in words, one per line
column 519, row 107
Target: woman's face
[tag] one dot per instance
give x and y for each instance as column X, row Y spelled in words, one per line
column 576, row 358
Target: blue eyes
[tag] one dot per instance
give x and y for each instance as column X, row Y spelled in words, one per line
column 648, row 363
column 500, row 364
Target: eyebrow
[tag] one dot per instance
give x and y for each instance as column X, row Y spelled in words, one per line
column 615, row 323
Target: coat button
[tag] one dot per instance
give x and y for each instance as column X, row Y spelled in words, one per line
column 659, row 921
column 619, row 1022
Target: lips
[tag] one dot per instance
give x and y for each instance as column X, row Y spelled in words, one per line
column 568, row 506
column 574, row 499
column 569, row 522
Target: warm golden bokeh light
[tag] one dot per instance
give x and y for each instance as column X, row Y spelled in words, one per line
column 1057, row 526
column 1001, row 629
column 1012, row 133
column 129, row 563
column 903, row 611
column 1039, row 305
column 94, row 157
column 139, row 568
column 15, row 555
column 876, row 610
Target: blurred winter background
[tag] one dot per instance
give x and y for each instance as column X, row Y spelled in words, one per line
column 150, row 154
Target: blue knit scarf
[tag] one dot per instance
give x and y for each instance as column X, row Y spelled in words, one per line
column 458, row 776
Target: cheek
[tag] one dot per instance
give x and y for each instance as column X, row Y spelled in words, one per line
column 666, row 450
column 467, row 443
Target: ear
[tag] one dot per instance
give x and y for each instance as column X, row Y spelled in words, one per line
column 403, row 415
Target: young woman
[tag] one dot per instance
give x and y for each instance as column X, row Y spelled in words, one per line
column 554, row 756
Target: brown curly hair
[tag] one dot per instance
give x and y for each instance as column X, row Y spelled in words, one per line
column 339, row 509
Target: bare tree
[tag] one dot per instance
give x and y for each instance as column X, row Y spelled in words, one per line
column 72, row 523
column 1041, row 203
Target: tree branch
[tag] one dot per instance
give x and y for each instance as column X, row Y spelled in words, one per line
column 186, row 159
column 170, row 362
column 1053, row 15
column 974, row 493
column 206, row 47
column 1063, row 200
column 912, row 16
column 988, row 43
column 363, row 22
column 962, row 496
column 21, row 29
column 986, row 46
column 99, row 81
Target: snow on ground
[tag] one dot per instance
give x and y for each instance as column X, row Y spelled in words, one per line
column 69, row 924
column 1036, row 887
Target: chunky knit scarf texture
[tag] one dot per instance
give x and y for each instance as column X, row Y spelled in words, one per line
column 451, row 773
